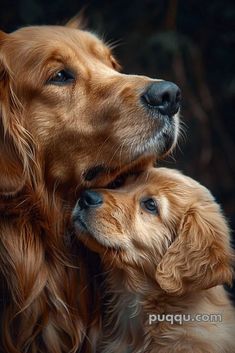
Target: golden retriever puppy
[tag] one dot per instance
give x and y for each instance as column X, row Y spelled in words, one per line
column 68, row 120
column 165, row 246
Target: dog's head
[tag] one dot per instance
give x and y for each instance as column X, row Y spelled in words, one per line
column 164, row 224
column 62, row 97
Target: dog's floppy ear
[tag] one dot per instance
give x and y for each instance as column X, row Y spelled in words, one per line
column 14, row 139
column 201, row 256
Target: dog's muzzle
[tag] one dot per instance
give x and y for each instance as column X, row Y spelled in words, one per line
column 164, row 97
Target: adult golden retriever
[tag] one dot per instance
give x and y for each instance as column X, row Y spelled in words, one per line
column 68, row 120
column 164, row 244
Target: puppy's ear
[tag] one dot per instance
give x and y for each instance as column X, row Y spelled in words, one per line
column 201, row 256
column 14, row 139
column 79, row 21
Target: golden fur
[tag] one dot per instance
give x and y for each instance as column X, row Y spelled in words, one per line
column 172, row 262
column 56, row 139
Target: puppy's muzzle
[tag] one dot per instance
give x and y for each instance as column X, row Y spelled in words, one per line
column 90, row 199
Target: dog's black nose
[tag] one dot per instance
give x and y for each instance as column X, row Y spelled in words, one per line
column 164, row 96
column 90, row 199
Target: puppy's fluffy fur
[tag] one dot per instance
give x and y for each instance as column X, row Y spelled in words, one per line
column 169, row 255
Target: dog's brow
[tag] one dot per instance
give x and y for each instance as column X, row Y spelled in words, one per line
column 54, row 62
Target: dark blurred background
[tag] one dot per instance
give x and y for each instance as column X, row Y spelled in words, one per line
column 189, row 42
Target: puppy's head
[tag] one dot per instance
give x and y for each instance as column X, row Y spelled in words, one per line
column 162, row 223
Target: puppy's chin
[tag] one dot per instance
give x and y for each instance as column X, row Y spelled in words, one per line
column 85, row 232
column 100, row 241
column 93, row 239
column 90, row 242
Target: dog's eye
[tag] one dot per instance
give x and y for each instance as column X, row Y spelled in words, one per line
column 150, row 205
column 61, row 78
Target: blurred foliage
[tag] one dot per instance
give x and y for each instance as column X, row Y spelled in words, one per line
column 189, row 42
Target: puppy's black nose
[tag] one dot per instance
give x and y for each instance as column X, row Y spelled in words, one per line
column 164, row 96
column 90, row 199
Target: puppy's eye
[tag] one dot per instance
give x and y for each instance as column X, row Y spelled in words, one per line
column 149, row 205
column 62, row 77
